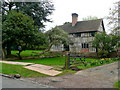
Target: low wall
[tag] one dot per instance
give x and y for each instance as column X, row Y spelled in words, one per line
column 94, row 55
column 114, row 54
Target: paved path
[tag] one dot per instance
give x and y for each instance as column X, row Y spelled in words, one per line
column 98, row 77
column 18, row 63
column 36, row 67
column 43, row 70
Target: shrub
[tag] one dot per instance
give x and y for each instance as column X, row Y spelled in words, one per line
column 103, row 53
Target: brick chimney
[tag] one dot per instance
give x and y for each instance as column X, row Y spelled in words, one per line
column 74, row 18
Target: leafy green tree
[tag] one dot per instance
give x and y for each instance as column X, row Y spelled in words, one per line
column 90, row 18
column 115, row 40
column 56, row 36
column 39, row 39
column 105, row 44
column 39, row 11
column 18, row 29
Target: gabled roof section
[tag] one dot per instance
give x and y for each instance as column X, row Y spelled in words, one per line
column 82, row 26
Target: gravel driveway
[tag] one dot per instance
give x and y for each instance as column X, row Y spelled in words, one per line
column 98, row 77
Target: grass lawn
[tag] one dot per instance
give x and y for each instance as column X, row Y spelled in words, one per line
column 117, row 84
column 18, row 69
column 26, row 52
column 57, row 62
column 60, row 62
column 11, row 69
column 95, row 62
column 45, row 61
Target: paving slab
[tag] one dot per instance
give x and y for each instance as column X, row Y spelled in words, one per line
column 18, row 63
column 42, row 66
column 36, row 67
column 44, row 71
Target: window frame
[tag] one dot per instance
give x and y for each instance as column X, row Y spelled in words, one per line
column 85, row 45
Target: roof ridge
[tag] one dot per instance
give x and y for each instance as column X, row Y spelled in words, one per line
column 82, row 21
column 91, row 20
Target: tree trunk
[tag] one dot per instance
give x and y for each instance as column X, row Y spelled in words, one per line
column 8, row 50
column 10, row 6
column 49, row 47
column 3, row 53
column 19, row 56
column 97, row 51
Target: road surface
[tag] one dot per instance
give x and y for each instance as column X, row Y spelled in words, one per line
column 17, row 83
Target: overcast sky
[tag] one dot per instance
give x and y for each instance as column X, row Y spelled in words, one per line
column 84, row 8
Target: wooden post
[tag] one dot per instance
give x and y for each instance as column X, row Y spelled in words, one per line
column 67, row 61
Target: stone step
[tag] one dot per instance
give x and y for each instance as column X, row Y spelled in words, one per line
column 42, row 66
column 44, row 71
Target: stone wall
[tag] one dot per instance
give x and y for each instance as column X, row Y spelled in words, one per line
column 76, row 44
column 57, row 48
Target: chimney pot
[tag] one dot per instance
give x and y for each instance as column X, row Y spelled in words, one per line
column 74, row 18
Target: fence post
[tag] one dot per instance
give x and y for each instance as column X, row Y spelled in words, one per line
column 67, row 61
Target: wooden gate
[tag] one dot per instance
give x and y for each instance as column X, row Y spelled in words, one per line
column 73, row 59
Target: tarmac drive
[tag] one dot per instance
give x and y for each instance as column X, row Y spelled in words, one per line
column 98, row 77
column 17, row 83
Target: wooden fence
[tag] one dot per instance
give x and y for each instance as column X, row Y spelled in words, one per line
column 77, row 59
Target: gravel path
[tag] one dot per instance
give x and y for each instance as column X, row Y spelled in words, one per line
column 99, row 77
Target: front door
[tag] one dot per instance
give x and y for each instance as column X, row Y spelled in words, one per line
column 66, row 48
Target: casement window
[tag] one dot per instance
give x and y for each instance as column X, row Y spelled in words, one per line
column 85, row 45
column 85, row 34
column 78, row 35
column 92, row 34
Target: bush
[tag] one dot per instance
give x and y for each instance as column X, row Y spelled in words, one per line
column 103, row 53
column 56, row 54
column 52, row 54
column 117, row 84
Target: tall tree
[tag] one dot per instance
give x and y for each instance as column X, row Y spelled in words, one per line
column 39, row 11
column 18, row 29
column 0, row 31
column 90, row 18
column 56, row 36
column 114, row 17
